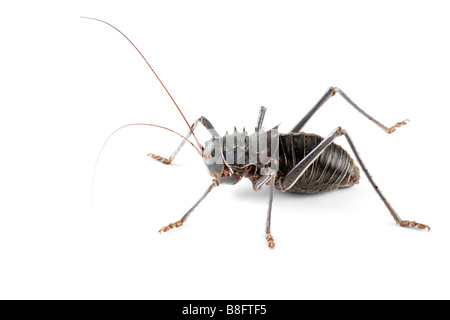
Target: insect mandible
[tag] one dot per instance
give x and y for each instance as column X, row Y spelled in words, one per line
column 295, row 162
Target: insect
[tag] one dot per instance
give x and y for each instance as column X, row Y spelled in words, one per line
column 295, row 161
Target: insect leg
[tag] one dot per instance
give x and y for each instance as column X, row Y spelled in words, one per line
column 262, row 112
column 269, row 236
column 398, row 220
column 184, row 218
column 295, row 173
column 331, row 92
column 203, row 121
column 216, row 182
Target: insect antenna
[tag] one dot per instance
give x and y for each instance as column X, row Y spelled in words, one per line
column 173, row 100
column 125, row 126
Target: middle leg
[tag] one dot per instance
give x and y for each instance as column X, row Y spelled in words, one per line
column 262, row 112
column 269, row 236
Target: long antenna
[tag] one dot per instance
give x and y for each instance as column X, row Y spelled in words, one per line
column 176, row 105
column 129, row 125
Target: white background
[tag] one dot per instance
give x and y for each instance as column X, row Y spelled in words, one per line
column 67, row 83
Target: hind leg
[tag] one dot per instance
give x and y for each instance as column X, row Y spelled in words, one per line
column 295, row 173
column 262, row 113
column 330, row 93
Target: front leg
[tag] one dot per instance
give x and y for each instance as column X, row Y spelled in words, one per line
column 203, row 121
column 233, row 179
column 184, row 218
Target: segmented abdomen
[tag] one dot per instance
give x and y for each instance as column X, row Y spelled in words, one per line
column 332, row 170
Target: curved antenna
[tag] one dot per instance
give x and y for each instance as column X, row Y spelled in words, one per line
column 122, row 127
column 176, row 105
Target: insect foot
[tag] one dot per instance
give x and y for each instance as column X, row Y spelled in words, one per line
column 159, row 158
column 397, row 125
column 171, row 226
column 406, row 223
column 270, row 241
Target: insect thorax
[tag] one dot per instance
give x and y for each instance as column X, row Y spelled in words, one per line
column 239, row 150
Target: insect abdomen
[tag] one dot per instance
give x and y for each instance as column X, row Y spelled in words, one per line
column 332, row 170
